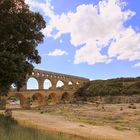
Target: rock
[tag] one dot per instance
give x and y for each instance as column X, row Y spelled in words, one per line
column 8, row 113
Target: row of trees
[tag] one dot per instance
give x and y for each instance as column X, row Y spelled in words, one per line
column 113, row 87
column 20, row 34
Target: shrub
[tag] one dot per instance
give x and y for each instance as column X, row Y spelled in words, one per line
column 133, row 107
column 129, row 106
column 121, row 108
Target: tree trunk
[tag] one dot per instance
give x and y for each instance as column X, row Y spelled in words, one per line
column 2, row 102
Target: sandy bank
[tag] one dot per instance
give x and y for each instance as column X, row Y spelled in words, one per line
column 60, row 124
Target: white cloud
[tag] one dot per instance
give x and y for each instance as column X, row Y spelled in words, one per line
column 137, row 65
column 57, row 52
column 95, row 27
column 126, row 46
column 92, row 54
column 61, row 41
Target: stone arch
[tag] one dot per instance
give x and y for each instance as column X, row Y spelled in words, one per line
column 13, row 87
column 60, row 84
column 77, row 83
column 32, row 83
column 21, row 97
column 65, row 97
column 47, row 84
column 37, row 97
column 52, row 98
column 75, row 95
column 70, row 83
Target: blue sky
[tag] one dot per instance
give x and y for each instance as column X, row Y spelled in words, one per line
column 90, row 38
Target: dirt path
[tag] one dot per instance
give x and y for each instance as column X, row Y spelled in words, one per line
column 60, row 124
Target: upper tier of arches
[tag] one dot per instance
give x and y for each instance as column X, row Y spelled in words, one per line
column 44, row 80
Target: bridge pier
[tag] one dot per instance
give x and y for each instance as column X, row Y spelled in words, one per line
column 26, row 104
column 24, row 87
column 40, row 83
column 2, row 102
column 45, row 101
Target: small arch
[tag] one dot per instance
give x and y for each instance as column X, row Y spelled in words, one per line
column 32, row 83
column 13, row 87
column 47, row 84
column 59, row 84
column 70, row 83
column 77, row 83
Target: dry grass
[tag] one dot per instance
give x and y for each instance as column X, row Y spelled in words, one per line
column 122, row 117
column 118, row 116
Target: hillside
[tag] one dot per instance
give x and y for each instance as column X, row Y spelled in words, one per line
column 113, row 87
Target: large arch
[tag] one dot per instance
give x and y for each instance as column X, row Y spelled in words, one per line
column 37, row 99
column 65, row 97
column 19, row 97
column 52, row 98
column 47, row 84
column 32, row 83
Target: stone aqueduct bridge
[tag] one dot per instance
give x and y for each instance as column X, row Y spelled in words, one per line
column 53, row 94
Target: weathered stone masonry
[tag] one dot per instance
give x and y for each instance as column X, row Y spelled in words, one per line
column 66, row 92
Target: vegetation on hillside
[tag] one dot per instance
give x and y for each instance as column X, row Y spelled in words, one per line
column 113, row 87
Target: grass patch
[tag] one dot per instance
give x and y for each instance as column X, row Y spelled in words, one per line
column 121, row 128
column 139, row 129
column 91, row 121
column 11, row 130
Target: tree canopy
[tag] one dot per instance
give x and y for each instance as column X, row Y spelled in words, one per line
column 20, row 34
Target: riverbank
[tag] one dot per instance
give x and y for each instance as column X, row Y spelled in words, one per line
column 88, row 120
column 9, row 128
column 57, row 123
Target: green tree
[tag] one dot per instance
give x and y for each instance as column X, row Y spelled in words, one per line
column 20, row 34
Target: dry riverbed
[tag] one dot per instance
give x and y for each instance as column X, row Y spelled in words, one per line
column 120, row 121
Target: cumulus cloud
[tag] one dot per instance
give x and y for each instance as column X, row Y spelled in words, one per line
column 93, row 28
column 126, row 46
column 57, row 52
column 137, row 65
column 90, row 54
